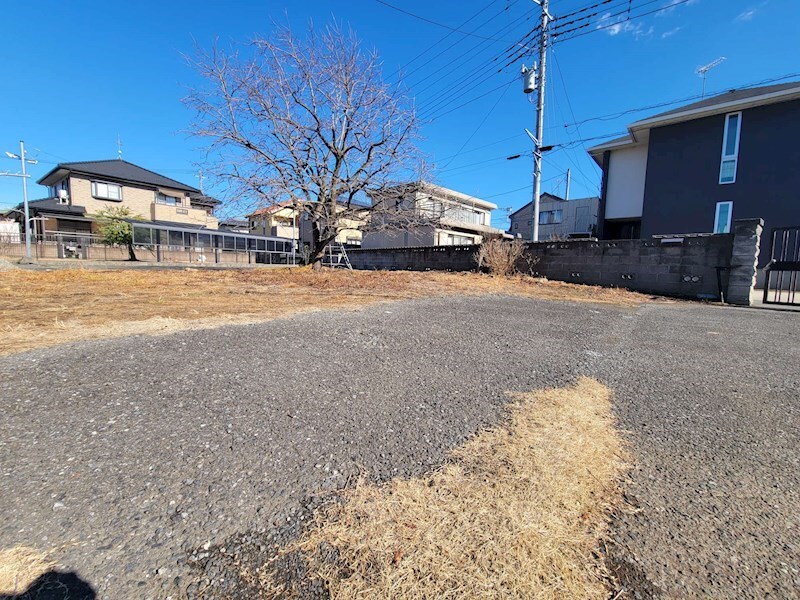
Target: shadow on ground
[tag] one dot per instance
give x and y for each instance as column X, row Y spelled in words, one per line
column 55, row 585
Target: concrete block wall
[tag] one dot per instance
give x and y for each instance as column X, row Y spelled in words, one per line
column 424, row 258
column 684, row 266
column 744, row 260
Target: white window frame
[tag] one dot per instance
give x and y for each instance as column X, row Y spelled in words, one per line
column 95, row 193
column 735, row 156
column 727, row 228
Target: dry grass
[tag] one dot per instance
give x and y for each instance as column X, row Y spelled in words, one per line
column 20, row 567
column 518, row 513
column 45, row 308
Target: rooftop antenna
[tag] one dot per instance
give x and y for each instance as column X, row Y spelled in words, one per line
column 119, row 147
column 703, row 71
column 200, row 177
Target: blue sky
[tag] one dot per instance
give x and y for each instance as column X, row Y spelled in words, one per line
column 78, row 74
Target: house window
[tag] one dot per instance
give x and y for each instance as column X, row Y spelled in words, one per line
column 106, row 191
column 722, row 217
column 550, row 217
column 730, row 148
column 168, row 200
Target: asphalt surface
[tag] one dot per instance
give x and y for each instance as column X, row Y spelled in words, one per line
column 151, row 462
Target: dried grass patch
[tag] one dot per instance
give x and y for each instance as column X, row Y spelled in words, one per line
column 20, row 567
column 46, row 308
column 520, row 512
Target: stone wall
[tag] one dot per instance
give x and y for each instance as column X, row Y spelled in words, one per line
column 686, row 266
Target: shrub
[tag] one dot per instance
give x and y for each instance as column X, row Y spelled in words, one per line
column 500, row 257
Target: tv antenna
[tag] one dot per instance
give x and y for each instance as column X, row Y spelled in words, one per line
column 119, row 147
column 703, row 71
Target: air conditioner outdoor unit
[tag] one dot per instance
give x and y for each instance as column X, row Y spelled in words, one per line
column 63, row 196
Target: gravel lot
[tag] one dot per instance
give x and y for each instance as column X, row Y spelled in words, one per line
column 149, row 459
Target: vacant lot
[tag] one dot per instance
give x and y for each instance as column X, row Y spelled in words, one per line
column 177, row 464
column 45, row 308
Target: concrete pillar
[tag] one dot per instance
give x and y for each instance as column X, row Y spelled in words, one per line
column 744, row 260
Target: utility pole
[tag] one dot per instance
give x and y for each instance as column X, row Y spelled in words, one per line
column 25, row 200
column 569, row 179
column 24, row 161
column 537, row 152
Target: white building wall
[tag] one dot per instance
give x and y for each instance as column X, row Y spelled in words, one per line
column 625, row 189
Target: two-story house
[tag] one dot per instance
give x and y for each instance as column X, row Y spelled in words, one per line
column 430, row 215
column 696, row 168
column 288, row 219
column 558, row 218
column 79, row 190
column 280, row 219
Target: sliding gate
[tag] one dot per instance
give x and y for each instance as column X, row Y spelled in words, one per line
column 783, row 270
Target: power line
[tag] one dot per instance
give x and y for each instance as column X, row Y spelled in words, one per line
column 616, row 23
column 432, row 22
column 440, row 115
column 572, row 112
column 562, row 25
column 481, row 73
column 585, row 8
column 488, row 114
column 612, row 116
column 432, row 46
column 525, row 187
column 558, row 27
column 511, row 137
column 555, row 148
column 469, row 50
column 574, row 143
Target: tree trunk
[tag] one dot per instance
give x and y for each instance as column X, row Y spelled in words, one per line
column 132, row 253
column 317, row 255
column 318, row 246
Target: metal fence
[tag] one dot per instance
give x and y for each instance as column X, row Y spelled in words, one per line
column 189, row 251
column 782, row 273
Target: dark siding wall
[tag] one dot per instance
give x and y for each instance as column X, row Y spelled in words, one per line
column 682, row 185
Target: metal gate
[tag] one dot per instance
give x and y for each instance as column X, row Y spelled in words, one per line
column 783, row 270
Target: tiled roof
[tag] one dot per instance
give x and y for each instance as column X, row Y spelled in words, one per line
column 52, row 205
column 121, row 170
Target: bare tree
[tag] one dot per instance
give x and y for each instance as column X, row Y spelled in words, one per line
column 309, row 122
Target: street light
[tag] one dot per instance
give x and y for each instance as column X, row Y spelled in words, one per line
column 21, row 157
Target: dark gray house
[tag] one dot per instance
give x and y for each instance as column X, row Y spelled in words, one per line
column 697, row 168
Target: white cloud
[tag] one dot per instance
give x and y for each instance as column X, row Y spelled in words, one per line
column 623, row 25
column 670, row 33
column 747, row 15
column 671, row 5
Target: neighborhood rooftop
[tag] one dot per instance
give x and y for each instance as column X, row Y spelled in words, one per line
column 734, row 95
column 117, row 169
column 734, row 99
